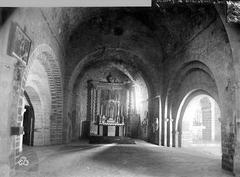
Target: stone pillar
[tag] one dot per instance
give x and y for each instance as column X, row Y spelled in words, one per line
column 179, row 139
column 168, row 131
column 160, row 121
column 163, row 106
column 165, row 131
column 234, row 39
column 174, row 134
column 237, row 150
column 236, row 156
column 155, row 118
column 165, row 122
column 227, row 147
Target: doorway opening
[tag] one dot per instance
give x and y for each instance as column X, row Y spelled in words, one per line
column 28, row 125
column 201, row 128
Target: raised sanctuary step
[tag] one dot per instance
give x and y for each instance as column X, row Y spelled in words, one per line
column 110, row 139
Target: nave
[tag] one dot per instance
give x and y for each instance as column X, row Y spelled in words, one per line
column 81, row 159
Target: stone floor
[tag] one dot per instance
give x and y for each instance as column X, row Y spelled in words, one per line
column 142, row 159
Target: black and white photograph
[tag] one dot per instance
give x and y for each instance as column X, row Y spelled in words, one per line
column 120, row 88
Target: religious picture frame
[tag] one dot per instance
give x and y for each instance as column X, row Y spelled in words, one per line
column 19, row 43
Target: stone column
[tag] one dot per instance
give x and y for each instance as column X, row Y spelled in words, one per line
column 160, row 121
column 174, row 134
column 234, row 39
column 163, row 106
column 169, row 126
column 165, row 123
column 236, row 158
column 179, row 139
column 165, row 131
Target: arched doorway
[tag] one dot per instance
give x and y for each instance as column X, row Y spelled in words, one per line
column 44, row 76
column 28, row 125
column 32, row 117
column 201, row 128
column 28, row 121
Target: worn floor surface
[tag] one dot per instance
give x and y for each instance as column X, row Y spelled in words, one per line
column 142, row 159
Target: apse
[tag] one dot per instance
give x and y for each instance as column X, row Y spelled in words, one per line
column 108, row 94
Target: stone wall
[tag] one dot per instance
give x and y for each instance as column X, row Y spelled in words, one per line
column 210, row 47
column 140, row 42
column 39, row 32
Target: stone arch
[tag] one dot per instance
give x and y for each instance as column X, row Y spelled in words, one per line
column 100, row 55
column 186, row 69
column 182, row 83
column 46, row 56
column 135, row 75
column 181, row 110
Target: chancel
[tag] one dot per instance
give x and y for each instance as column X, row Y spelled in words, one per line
column 110, row 107
column 120, row 91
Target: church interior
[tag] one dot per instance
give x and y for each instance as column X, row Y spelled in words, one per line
column 119, row 91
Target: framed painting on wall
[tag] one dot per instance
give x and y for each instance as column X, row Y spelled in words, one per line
column 19, row 43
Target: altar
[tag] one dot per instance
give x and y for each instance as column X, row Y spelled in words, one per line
column 111, row 129
column 107, row 108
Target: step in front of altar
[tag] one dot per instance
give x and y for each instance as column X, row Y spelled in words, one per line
column 110, row 140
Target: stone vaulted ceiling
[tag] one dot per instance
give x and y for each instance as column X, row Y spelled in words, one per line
column 168, row 27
